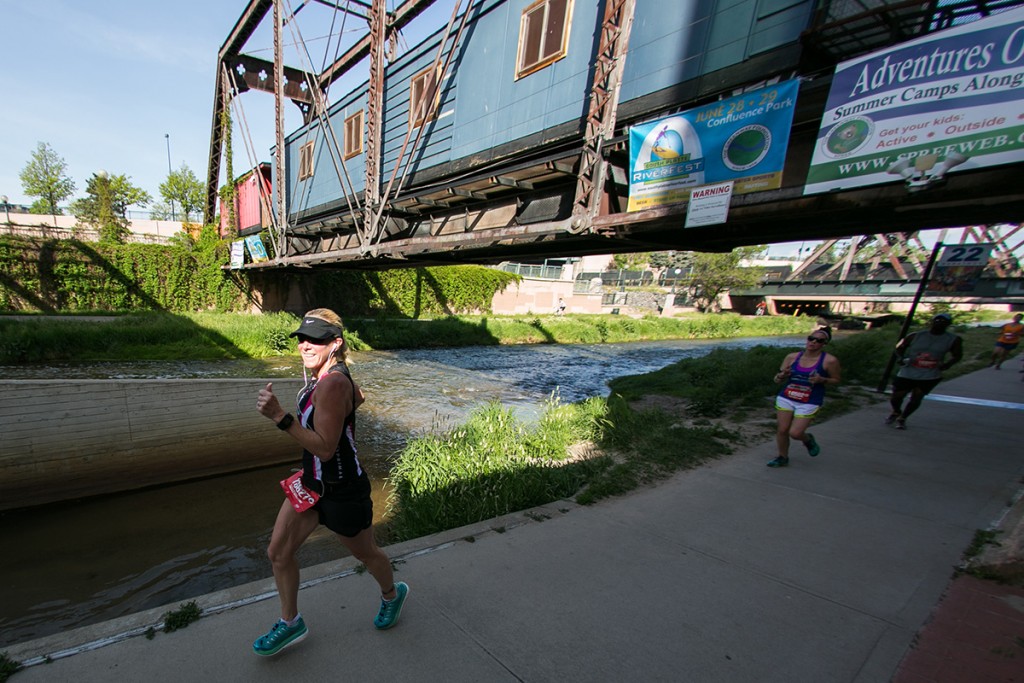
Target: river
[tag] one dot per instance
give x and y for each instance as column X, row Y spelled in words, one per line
column 78, row 563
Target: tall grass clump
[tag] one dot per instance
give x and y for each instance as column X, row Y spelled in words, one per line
column 491, row 465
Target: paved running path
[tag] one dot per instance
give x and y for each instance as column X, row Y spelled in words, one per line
column 822, row 571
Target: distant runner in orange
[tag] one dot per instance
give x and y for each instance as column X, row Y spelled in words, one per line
column 1007, row 341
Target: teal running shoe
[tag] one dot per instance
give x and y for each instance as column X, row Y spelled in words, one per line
column 280, row 636
column 780, row 461
column 390, row 610
column 812, row 446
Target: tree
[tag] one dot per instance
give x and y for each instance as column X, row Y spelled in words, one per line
column 183, row 189
column 105, row 209
column 712, row 274
column 160, row 211
column 45, row 176
column 630, row 261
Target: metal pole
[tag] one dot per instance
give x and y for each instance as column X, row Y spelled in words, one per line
column 910, row 314
column 167, row 137
column 280, row 176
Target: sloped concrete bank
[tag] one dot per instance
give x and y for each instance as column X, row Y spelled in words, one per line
column 66, row 439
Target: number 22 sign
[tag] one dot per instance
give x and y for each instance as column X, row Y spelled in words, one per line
column 964, row 255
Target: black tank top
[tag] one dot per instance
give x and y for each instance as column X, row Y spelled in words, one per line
column 343, row 467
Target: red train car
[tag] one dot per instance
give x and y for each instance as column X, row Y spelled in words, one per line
column 252, row 203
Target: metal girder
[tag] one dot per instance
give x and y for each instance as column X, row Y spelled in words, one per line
column 279, row 175
column 374, row 120
column 245, row 27
column 259, row 74
column 601, row 115
column 216, row 145
column 405, row 13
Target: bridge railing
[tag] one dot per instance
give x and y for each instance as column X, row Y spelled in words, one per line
column 533, row 271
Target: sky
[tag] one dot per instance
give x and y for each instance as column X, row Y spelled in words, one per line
column 104, row 81
column 127, row 86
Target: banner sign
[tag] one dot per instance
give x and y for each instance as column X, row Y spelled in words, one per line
column 959, row 268
column 257, row 252
column 742, row 139
column 709, row 205
column 917, row 110
column 238, row 253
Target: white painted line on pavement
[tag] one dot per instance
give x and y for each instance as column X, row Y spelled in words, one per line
column 976, row 401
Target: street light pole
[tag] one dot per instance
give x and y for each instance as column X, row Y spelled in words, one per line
column 167, row 137
column 7, row 210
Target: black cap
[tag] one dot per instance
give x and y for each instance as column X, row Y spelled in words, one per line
column 943, row 317
column 315, row 328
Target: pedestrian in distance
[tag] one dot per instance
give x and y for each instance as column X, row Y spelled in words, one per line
column 332, row 489
column 1007, row 341
column 921, row 357
column 804, row 376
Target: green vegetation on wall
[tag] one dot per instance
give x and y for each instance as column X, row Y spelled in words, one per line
column 72, row 276
column 69, row 276
column 406, row 292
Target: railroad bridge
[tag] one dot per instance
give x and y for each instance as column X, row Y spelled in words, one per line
column 505, row 134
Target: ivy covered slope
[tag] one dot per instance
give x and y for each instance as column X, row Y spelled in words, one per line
column 69, row 276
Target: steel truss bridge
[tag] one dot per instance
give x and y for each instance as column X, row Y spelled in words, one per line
column 580, row 180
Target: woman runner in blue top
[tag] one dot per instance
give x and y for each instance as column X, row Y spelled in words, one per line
column 803, row 375
column 325, row 428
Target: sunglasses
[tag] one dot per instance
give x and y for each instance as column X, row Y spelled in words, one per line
column 817, row 340
column 319, row 342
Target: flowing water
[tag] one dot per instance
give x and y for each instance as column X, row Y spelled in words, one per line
column 81, row 562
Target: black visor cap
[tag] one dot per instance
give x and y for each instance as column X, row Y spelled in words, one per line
column 318, row 329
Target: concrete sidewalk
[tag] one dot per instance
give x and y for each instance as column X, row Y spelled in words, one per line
column 822, row 571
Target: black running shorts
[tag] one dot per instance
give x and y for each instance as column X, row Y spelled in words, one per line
column 923, row 385
column 347, row 512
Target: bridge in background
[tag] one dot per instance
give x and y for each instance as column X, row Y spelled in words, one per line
column 563, row 191
column 864, row 276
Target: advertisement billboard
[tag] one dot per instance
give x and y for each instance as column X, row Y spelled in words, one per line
column 741, row 139
column 912, row 113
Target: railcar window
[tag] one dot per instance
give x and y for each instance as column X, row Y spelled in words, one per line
column 306, row 161
column 353, row 135
column 424, row 96
column 543, row 35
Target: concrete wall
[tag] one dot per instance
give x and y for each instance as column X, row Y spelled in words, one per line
column 540, row 297
column 63, row 227
column 65, row 439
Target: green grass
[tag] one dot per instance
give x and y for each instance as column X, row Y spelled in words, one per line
column 8, row 667
column 146, row 336
column 490, row 465
column 225, row 336
column 493, row 464
column 180, row 618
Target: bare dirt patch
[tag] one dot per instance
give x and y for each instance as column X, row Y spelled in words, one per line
column 749, row 426
column 753, row 428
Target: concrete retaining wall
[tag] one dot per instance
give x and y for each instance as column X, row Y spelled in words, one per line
column 65, row 439
column 47, row 226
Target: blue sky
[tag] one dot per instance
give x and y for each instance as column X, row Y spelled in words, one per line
column 103, row 81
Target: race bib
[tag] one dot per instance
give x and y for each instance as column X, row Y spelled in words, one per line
column 797, row 392
column 298, row 495
column 925, row 362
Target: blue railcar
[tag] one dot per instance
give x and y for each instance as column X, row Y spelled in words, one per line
column 514, row 102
